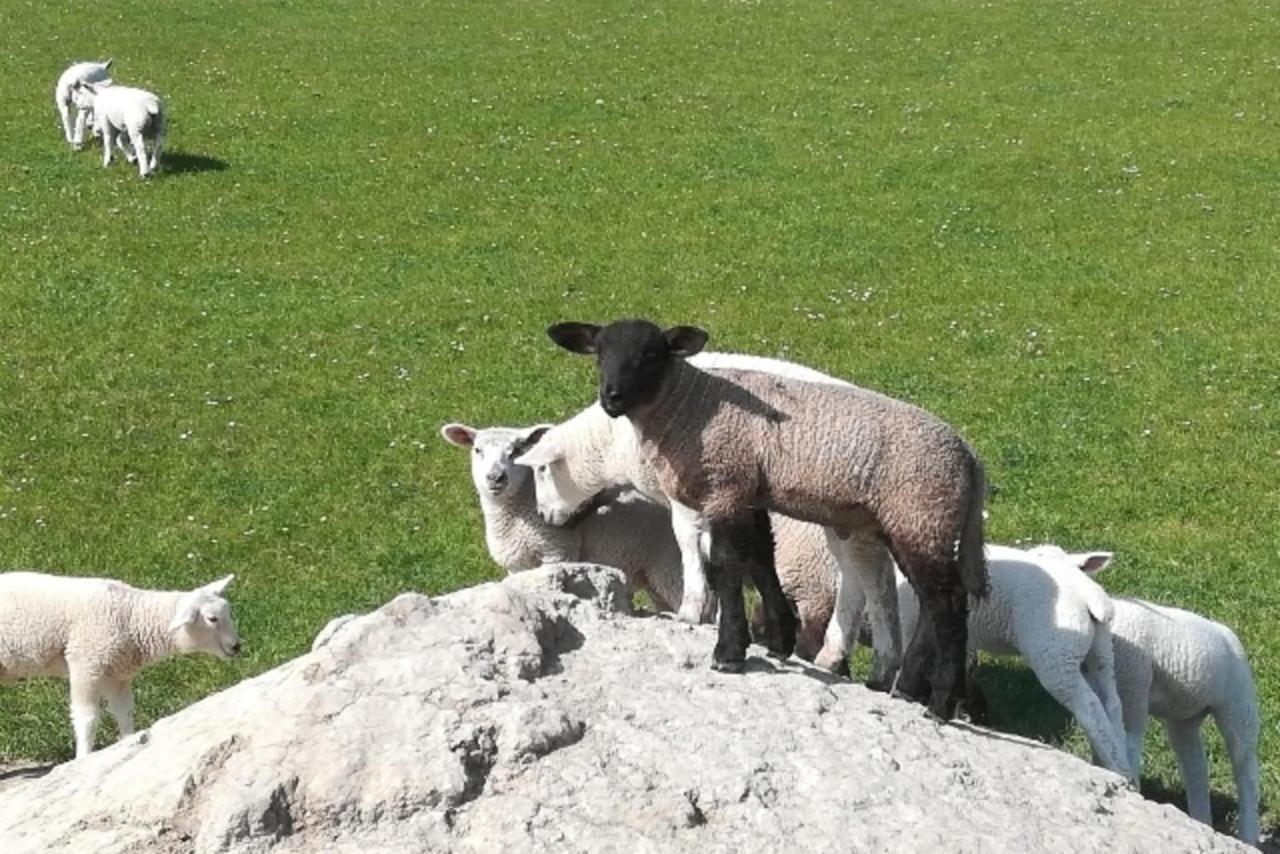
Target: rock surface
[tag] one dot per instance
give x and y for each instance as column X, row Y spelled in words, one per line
column 530, row 715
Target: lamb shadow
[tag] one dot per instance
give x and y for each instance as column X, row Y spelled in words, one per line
column 181, row 163
column 1222, row 805
column 1018, row 704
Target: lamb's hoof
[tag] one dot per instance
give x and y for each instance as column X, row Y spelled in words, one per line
column 690, row 614
column 881, row 684
column 831, row 662
column 729, row 666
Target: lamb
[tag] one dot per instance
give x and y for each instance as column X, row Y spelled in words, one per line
column 631, row 534
column 99, row 633
column 126, row 117
column 591, row 453
column 861, row 463
column 1181, row 667
column 80, row 72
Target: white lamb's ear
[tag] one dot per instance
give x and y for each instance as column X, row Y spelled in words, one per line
column 459, row 434
column 544, row 453
column 216, row 587
column 187, row 613
column 1092, row 562
column 531, row 436
column 685, row 341
column 107, row 63
column 575, row 337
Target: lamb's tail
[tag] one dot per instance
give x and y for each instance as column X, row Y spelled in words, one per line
column 970, row 559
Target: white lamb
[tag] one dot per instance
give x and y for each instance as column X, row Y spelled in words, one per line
column 80, row 72
column 1040, row 607
column 126, row 117
column 1181, row 668
column 631, row 533
column 591, row 453
column 100, row 633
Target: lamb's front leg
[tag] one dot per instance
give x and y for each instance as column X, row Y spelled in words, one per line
column 725, row 568
column 77, row 137
column 688, row 526
column 64, row 112
column 108, row 140
column 85, row 694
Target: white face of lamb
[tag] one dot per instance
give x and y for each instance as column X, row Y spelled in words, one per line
column 492, row 470
column 559, row 496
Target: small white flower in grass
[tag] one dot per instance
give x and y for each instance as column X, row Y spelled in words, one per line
column 186, row 435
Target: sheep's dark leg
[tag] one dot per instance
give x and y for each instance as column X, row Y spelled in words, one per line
column 780, row 622
column 918, row 661
column 951, row 632
column 725, row 566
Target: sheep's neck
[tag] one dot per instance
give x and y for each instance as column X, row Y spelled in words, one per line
column 149, row 620
column 512, row 529
column 683, row 383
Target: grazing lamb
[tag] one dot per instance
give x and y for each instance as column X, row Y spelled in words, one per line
column 99, row 633
column 846, row 458
column 1181, row 668
column 80, row 72
column 126, row 117
column 1039, row 607
column 631, row 534
column 591, row 453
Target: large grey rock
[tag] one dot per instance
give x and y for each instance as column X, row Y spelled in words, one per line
column 531, row 715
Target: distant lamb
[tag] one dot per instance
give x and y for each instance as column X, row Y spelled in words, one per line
column 100, row 633
column 126, row 117
column 631, row 534
column 1181, row 668
column 591, row 453
column 80, row 72
column 862, row 463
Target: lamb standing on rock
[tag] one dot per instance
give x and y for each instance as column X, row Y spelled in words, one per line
column 1181, row 668
column 80, row 72
column 630, row 534
column 845, row 458
column 100, row 633
column 591, row 453
column 126, row 117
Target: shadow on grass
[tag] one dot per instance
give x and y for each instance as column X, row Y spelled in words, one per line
column 182, row 162
column 1018, row 704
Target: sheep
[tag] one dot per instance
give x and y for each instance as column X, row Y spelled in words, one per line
column 126, row 117
column 631, row 534
column 1182, row 667
column 590, row 453
column 859, row 462
column 86, row 72
column 99, row 633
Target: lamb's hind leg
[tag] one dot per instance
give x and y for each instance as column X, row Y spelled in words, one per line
column 64, row 112
column 865, row 579
column 944, row 605
column 1240, row 733
column 120, row 703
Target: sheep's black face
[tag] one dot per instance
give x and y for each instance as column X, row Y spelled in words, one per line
column 633, row 356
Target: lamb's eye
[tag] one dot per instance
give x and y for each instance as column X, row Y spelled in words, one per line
column 543, row 469
column 213, row 620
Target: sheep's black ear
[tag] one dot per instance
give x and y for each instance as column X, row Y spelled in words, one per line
column 459, row 434
column 575, row 337
column 684, row 341
column 530, row 438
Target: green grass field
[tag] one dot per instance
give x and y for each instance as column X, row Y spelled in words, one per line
column 1056, row 225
